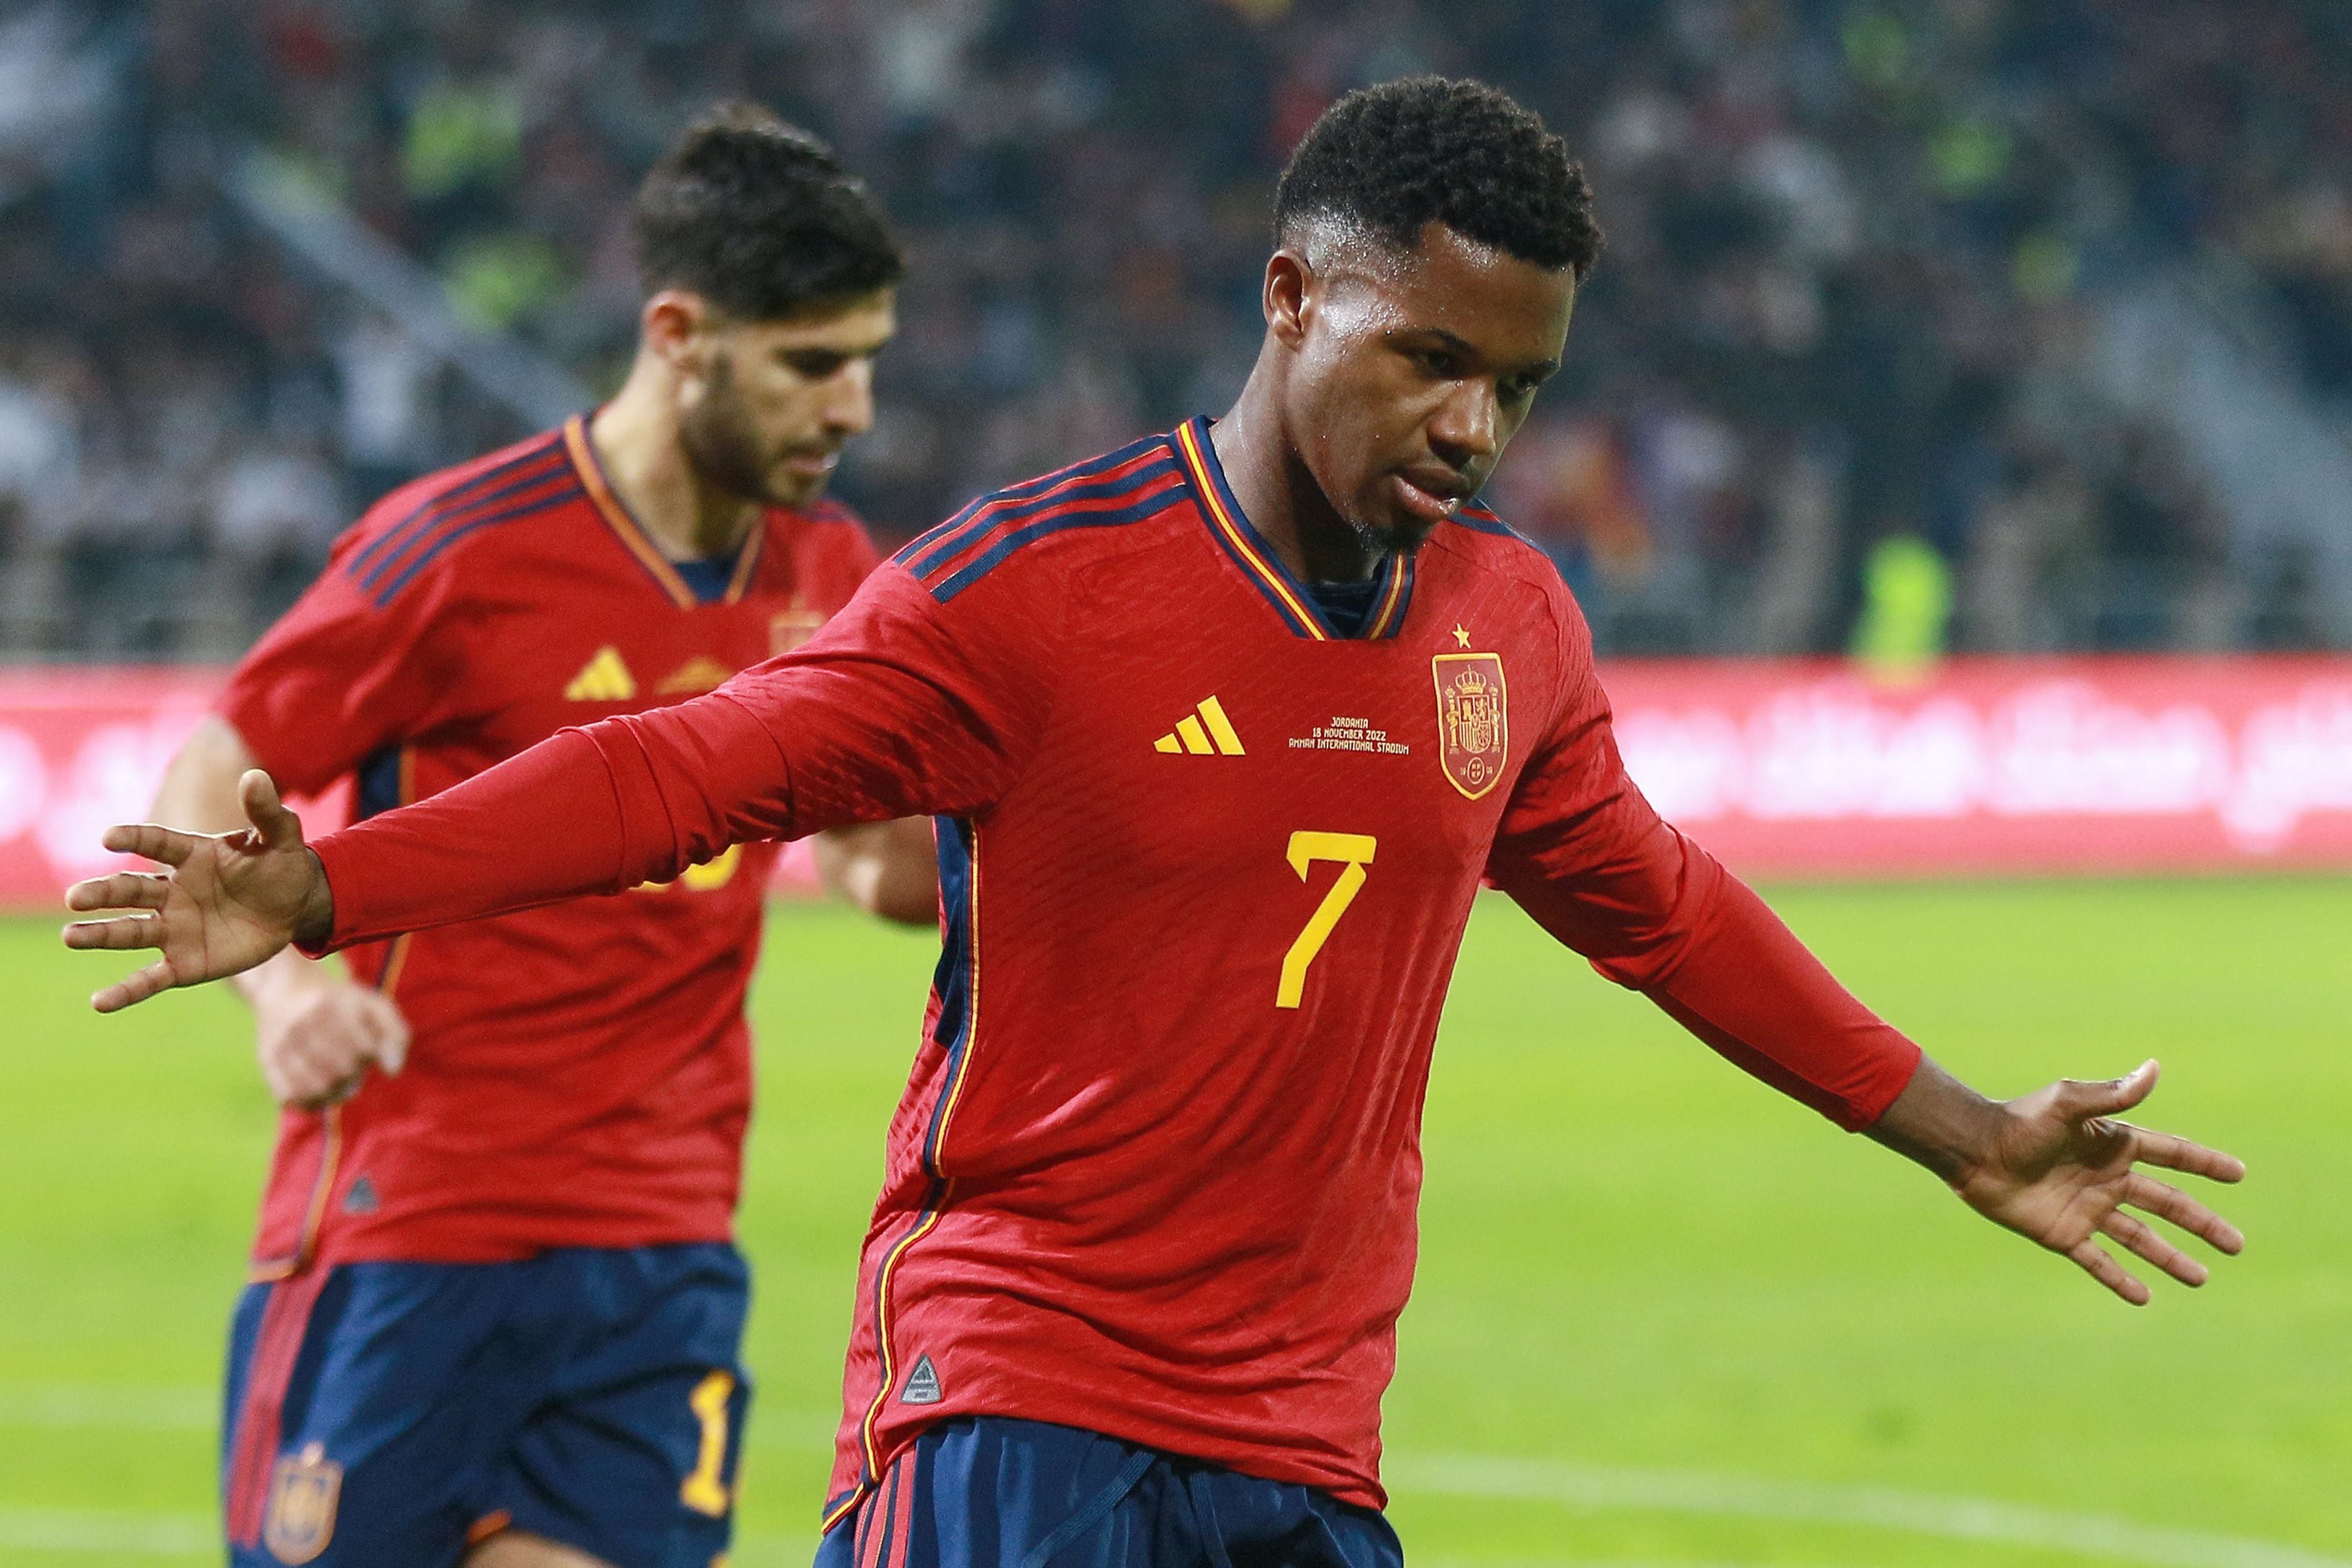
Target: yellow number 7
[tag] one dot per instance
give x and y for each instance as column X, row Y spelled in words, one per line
column 1354, row 851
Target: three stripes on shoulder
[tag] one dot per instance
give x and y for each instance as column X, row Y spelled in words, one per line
column 1204, row 731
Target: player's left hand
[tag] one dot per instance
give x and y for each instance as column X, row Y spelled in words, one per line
column 2059, row 1170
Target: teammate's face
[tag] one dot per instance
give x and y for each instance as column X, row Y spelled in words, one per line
column 1411, row 371
column 764, row 406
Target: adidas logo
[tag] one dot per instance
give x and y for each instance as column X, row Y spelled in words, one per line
column 699, row 674
column 603, row 678
column 1200, row 732
column 362, row 1198
column 922, row 1384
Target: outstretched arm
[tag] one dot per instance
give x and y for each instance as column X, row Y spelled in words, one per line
column 630, row 800
column 1661, row 916
column 1585, row 853
column 2053, row 1165
column 897, row 709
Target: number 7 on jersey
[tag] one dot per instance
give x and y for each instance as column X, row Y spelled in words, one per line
column 1354, row 852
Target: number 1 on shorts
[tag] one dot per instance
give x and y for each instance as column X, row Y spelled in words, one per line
column 703, row 1491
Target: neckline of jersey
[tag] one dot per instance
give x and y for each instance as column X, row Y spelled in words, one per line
column 638, row 541
column 1221, row 510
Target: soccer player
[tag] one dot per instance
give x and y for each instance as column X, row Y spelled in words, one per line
column 1223, row 729
column 495, row 1298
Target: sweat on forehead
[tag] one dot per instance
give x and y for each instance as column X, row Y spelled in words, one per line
column 1446, row 271
column 1334, row 243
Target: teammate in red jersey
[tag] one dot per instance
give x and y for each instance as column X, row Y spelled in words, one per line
column 494, row 1279
column 1224, row 730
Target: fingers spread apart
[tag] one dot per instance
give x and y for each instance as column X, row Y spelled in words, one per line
column 121, row 932
column 122, row 890
column 278, row 827
column 2080, row 1099
column 2169, row 1203
column 149, row 842
column 2095, row 1262
column 2145, row 1243
column 135, row 988
column 2176, row 1153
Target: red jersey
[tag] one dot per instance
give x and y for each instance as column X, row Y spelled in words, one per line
column 579, row 1076
column 1206, row 866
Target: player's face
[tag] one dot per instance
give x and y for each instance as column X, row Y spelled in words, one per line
column 768, row 404
column 1414, row 370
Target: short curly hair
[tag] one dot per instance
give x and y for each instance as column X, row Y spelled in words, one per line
column 1429, row 149
column 760, row 217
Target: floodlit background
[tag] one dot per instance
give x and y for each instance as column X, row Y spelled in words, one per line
column 1955, row 459
column 2061, row 290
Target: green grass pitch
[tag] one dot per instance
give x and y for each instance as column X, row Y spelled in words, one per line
column 1663, row 1317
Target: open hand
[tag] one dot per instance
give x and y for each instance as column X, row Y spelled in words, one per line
column 2057, row 1170
column 224, row 904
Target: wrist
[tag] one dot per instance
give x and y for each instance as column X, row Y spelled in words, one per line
column 1943, row 1124
column 314, row 922
column 1971, row 1140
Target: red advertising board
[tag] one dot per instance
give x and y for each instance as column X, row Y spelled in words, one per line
column 1782, row 768
column 80, row 749
column 1999, row 767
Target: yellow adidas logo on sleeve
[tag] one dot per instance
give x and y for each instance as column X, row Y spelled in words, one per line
column 699, row 674
column 1200, row 732
column 603, row 678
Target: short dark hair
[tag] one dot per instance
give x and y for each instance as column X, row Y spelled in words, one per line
column 1427, row 149
column 760, row 217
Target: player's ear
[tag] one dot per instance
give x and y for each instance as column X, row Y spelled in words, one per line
column 673, row 323
column 1289, row 283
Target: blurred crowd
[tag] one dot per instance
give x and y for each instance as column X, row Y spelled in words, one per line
column 1837, row 341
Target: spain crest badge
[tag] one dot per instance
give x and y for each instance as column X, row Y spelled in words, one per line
column 302, row 1497
column 788, row 628
column 1474, row 719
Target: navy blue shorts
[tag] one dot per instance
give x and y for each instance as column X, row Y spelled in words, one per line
column 992, row 1492
column 390, row 1415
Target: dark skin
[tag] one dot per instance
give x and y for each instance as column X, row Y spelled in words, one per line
column 1388, row 386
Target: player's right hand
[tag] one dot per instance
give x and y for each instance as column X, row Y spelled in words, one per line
column 224, row 904
column 316, row 1036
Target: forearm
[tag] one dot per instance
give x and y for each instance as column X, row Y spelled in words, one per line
column 1748, row 987
column 1584, row 851
column 589, row 811
column 1659, row 915
column 539, row 827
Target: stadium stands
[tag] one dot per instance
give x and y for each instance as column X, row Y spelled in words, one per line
column 1863, row 260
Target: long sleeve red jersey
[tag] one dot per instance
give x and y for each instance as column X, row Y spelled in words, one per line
column 1206, row 866
column 579, row 1077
